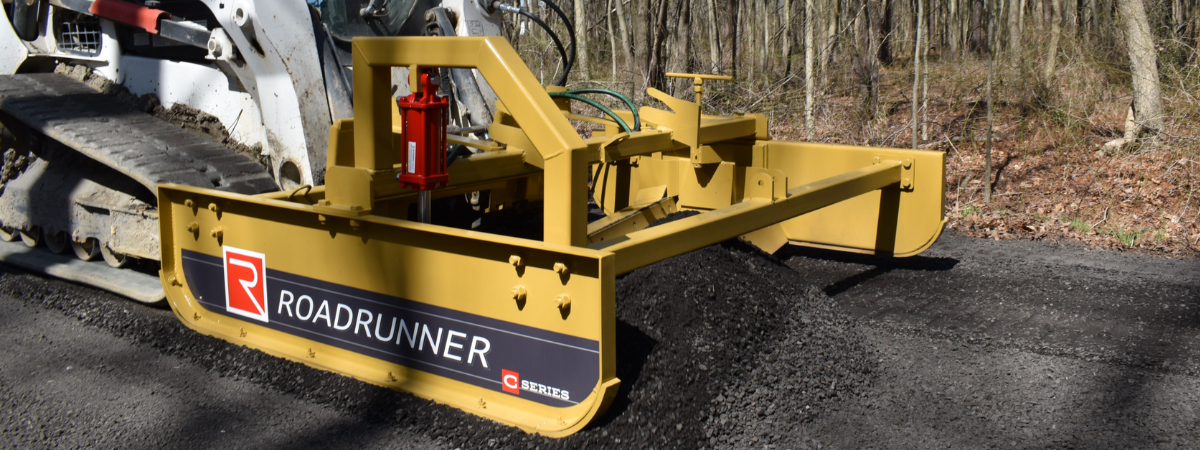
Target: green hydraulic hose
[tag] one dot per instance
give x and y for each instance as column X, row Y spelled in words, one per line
column 596, row 105
column 637, row 120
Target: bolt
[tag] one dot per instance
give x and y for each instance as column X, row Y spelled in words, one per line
column 189, row 203
column 563, row 302
column 907, row 183
column 218, row 233
column 196, row 316
column 560, row 268
column 214, row 208
column 354, row 224
column 907, row 163
column 519, row 293
column 174, row 281
column 193, row 227
column 516, row 261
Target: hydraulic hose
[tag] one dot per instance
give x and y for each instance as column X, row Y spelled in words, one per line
column 570, row 34
column 637, row 120
column 562, row 51
column 596, row 105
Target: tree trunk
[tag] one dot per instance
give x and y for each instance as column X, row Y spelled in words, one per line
column 626, row 46
column 954, row 27
column 655, row 71
column 917, row 69
column 886, row 30
column 714, row 44
column 583, row 68
column 1055, row 34
column 808, row 68
column 731, row 35
column 612, row 37
column 977, row 35
column 829, row 39
column 1014, row 31
column 925, row 88
column 987, row 164
column 787, row 35
column 1143, row 58
column 681, row 42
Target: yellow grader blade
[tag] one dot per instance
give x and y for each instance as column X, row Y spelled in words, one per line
column 516, row 330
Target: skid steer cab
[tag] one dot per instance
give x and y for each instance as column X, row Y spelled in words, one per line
column 337, row 276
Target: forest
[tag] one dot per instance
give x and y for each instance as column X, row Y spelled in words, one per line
column 1062, row 120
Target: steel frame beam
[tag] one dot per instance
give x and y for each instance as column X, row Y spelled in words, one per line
column 651, row 245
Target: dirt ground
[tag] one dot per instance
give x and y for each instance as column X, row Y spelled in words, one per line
column 975, row 344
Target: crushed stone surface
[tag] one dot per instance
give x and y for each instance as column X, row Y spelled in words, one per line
column 724, row 347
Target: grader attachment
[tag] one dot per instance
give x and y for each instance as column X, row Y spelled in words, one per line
column 520, row 331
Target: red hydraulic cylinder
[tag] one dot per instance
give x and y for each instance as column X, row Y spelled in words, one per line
column 423, row 152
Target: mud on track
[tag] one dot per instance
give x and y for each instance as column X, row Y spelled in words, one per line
column 722, row 348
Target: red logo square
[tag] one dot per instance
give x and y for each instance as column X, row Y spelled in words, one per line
column 511, row 381
column 246, row 283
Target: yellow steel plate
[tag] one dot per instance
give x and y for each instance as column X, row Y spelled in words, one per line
column 410, row 306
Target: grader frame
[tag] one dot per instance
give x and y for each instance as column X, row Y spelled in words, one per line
column 516, row 330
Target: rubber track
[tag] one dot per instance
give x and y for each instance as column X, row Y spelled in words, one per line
column 116, row 134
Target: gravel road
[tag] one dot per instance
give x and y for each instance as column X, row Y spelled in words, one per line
column 975, row 344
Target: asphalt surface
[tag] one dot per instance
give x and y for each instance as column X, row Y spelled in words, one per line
column 974, row 344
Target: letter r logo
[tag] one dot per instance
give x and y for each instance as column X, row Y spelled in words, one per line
column 246, row 283
column 511, row 381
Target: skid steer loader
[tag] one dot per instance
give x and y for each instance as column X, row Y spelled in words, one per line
column 355, row 275
column 81, row 166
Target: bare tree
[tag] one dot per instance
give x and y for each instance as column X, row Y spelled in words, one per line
column 1146, row 113
column 987, row 164
column 731, row 35
column 581, row 41
column 917, row 69
column 1014, row 31
column 714, row 44
column 626, row 47
column 886, row 29
column 809, row 18
column 612, row 37
column 978, row 36
column 1055, row 34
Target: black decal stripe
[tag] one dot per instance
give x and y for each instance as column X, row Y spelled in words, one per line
column 437, row 315
column 567, row 362
column 424, row 308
